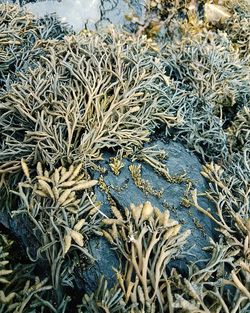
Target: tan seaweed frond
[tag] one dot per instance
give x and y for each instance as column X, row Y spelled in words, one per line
column 5, row 271
column 148, row 239
column 238, row 26
column 20, row 32
column 116, row 165
column 62, row 207
column 19, row 287
column 104, row 299
column 143, row 184
column 229, row 191
column 115, row 103
column 239, row 131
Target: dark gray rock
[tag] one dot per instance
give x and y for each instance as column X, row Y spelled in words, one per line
column 106, row 261
column 124, row 192
column 20, row 228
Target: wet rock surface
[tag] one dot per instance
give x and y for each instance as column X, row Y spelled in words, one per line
column 22, row 231
column 123, row 191
column 93, row 14
column 106, row 261
column 120, row 12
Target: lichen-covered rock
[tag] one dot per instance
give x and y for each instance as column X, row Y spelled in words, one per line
column 162, row 194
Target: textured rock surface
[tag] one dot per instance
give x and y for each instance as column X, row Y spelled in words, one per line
column 179, row 160
column 91, row 13
column 77, row 13
column 120, row 12
column 21, row 228
column 106, row 261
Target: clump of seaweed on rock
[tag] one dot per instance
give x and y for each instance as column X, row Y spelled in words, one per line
column 239, row 131
column 147, row 239
column 63, row 212
column 228, row 289
column 22, row 291
column 20, row 33
column 237, row 27
column 89, row 93
column 214, row 83
column 93, row 92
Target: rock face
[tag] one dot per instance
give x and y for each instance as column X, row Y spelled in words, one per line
column 21, row 229
column 106, row 261
column 77, row 13
column 91, row 13
column 121, row 12
column 123, row 191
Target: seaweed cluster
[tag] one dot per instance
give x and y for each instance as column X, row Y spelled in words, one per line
column 175, row 20
column 63, row 213
column 21, row 290
column 214, row 81
column 65, row 101
column 20, row 32
column 237, row 27
column 148, row 239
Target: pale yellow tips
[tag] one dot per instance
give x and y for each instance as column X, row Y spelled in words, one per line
column 136, row 211
column 147, row 210
column 25, row 168
column 64, row 196
column 39, row 169
column 77, row 237
column 85, row 185
column 79, row 225
column 67, row 243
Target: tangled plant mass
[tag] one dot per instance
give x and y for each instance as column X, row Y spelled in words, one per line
column 147, row 239
column 59, row 206
column 66, row 99
column 89, row 93
column 20, row 32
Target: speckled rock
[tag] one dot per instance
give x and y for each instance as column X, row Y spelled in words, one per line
column 124, row 191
